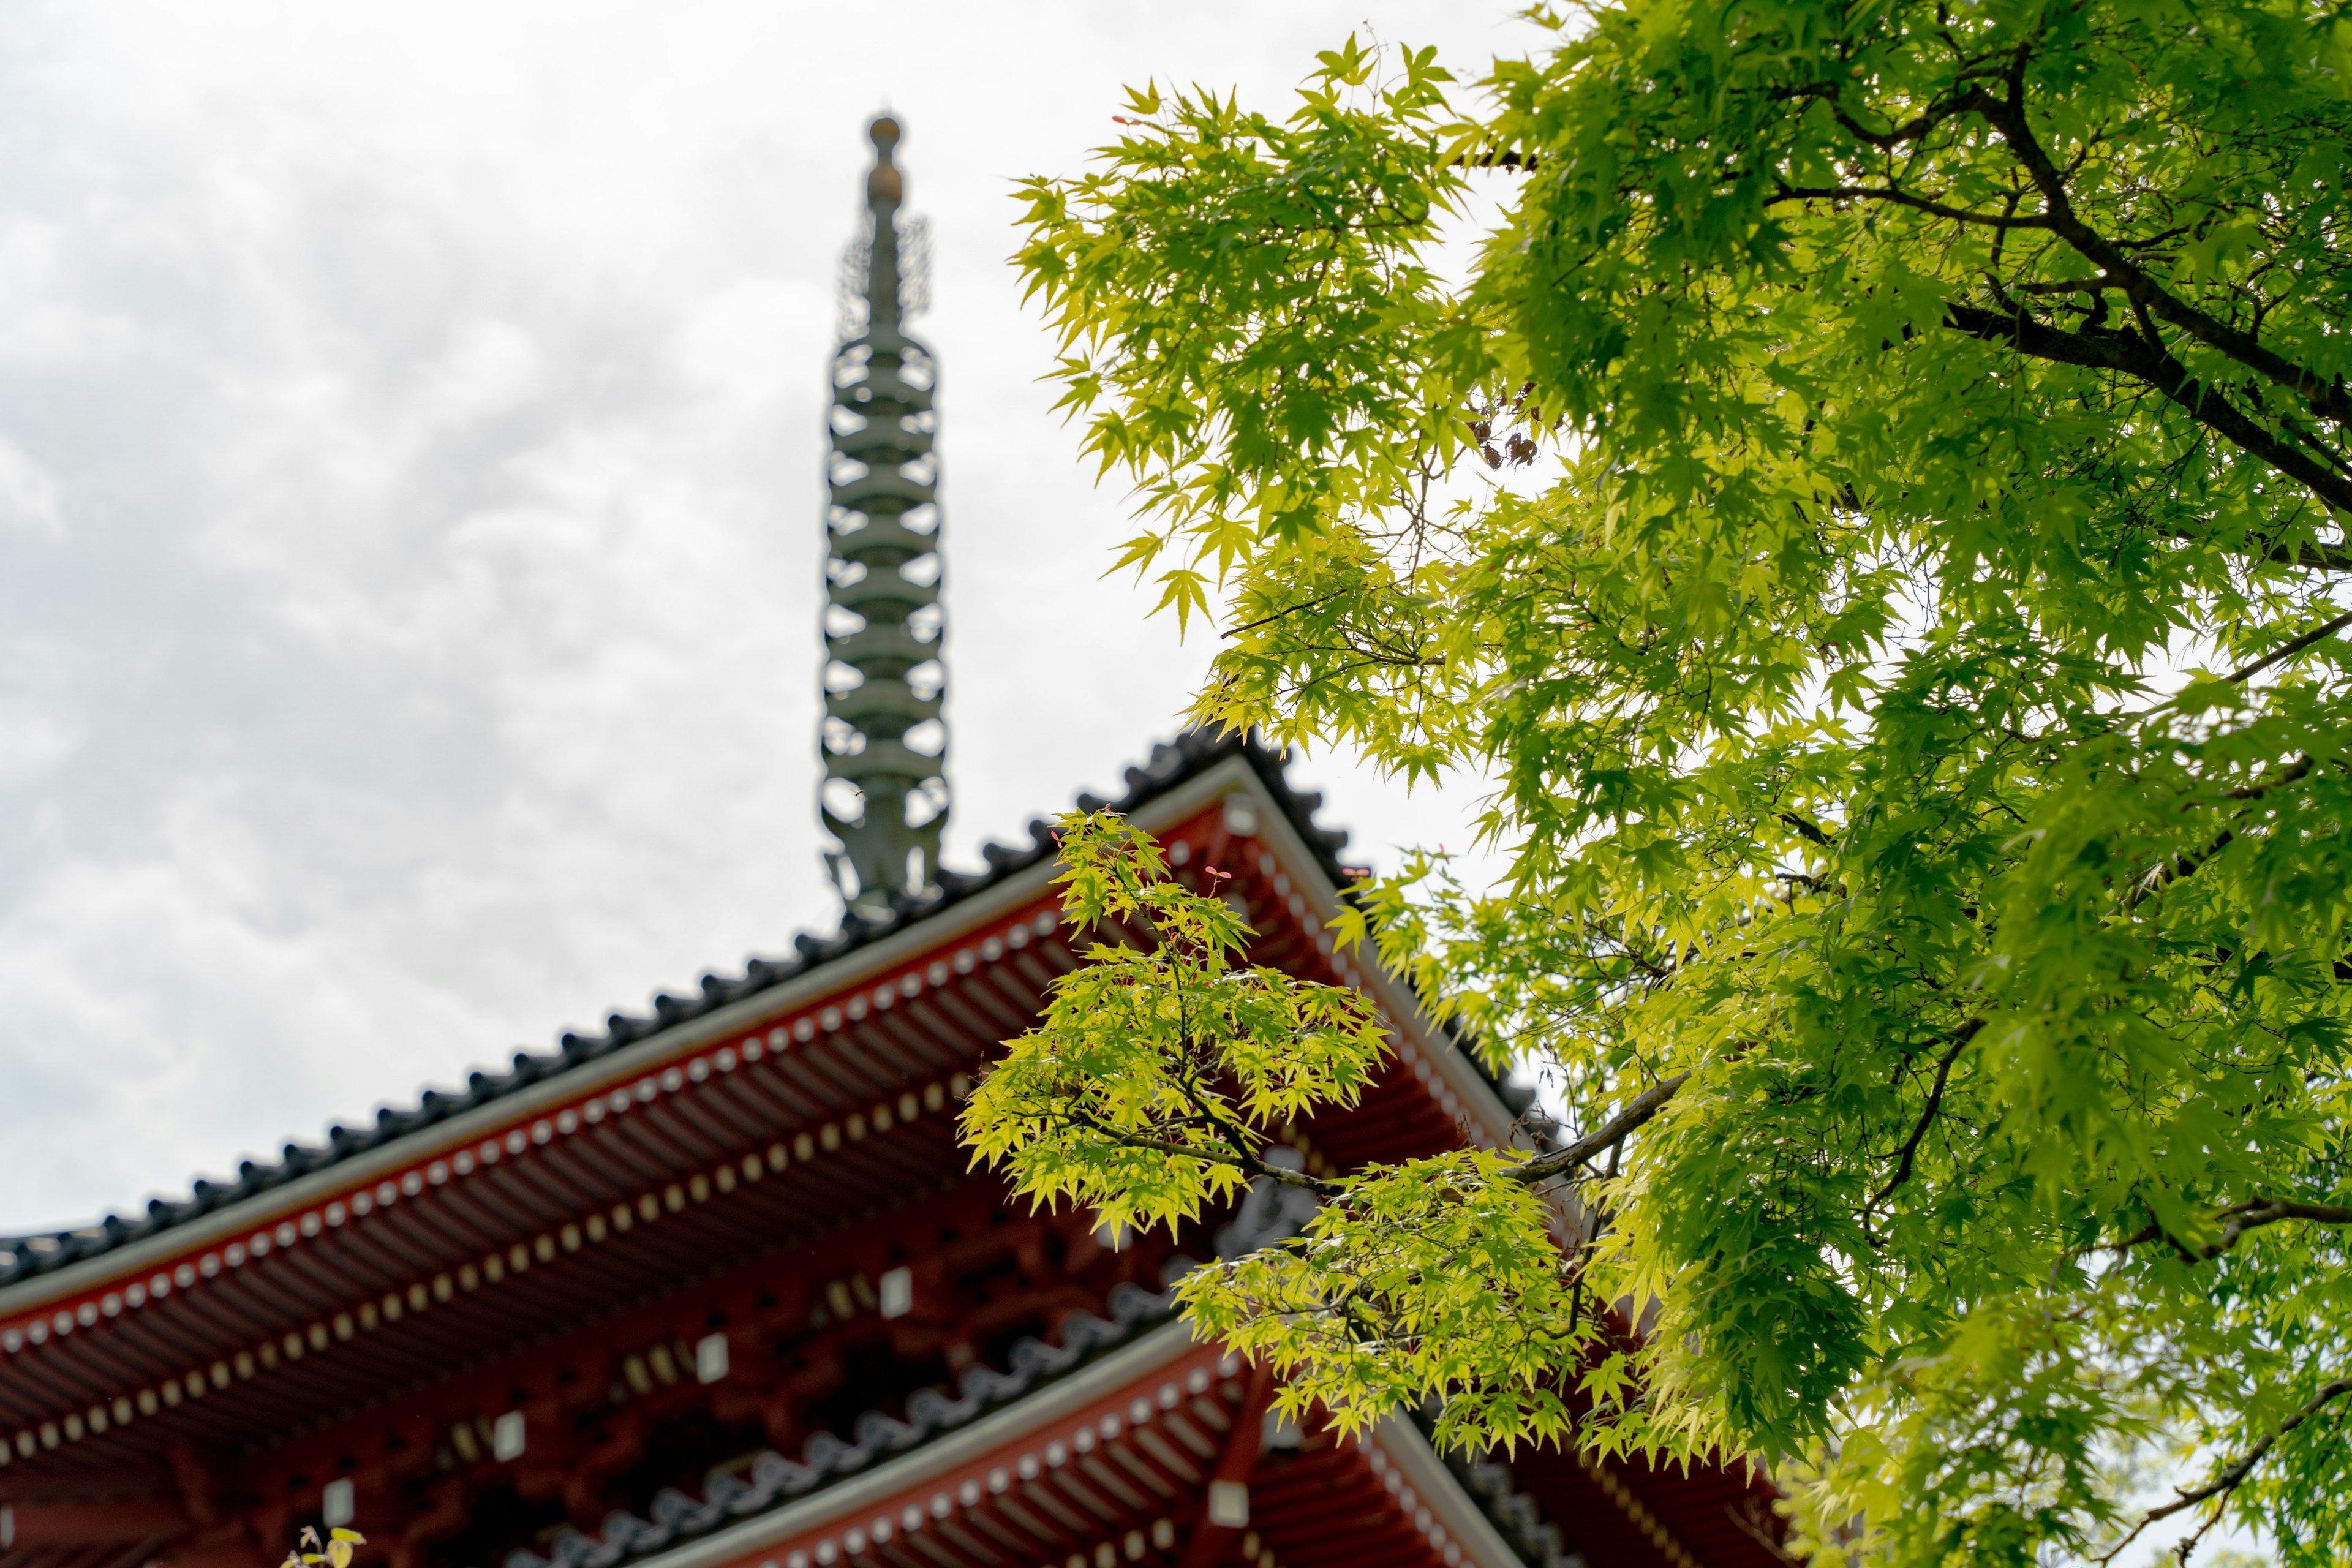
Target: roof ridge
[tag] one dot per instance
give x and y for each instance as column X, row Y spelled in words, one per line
column 1170, row 764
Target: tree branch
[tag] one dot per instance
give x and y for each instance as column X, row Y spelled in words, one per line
column 2164, row 873
column 2238, row 1219
column 1615, row 1131
column 1903, row 199
column 2254, row 1215
column 2320, row 633
column 1960, row 1037
column 2227, row 1479
column 2327, row 401
column 1316, row 1185
column 2128, row 354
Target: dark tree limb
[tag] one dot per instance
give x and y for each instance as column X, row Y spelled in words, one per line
column 2320, row 633
column 1910, row 1150
column 1928, row 205
column 2227, row 1479
column 2007, row 115
column 1608, row 1135
column 2130, row 354
column 2237, row 1219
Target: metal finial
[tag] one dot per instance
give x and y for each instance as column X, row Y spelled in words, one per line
column 884, row 795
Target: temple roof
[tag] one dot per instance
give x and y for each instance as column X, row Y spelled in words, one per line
column 737, row 1499
column 1171, row 766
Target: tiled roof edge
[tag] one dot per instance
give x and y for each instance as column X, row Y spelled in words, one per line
column 1170, row 766
column 775, row 1481
column 1267, row 1216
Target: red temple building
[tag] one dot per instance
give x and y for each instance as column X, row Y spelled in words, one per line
column 718, row 1288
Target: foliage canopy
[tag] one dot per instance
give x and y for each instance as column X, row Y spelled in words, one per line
column 1877, row 505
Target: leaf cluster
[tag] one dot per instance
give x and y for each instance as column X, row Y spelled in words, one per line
column 1878, row 510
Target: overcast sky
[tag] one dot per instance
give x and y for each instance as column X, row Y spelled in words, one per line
column 410, row 453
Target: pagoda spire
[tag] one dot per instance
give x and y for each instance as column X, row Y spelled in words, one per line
column 885, row 795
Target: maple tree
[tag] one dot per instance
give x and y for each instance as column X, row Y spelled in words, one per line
column 1876, row 506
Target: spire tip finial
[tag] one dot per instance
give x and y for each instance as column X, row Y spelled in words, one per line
column 882, row 186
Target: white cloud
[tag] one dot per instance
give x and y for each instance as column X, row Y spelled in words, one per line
column 410, row 434
column 30, row 502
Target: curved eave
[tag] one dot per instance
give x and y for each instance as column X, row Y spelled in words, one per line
column 502, row 1182
column 1203, row 773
